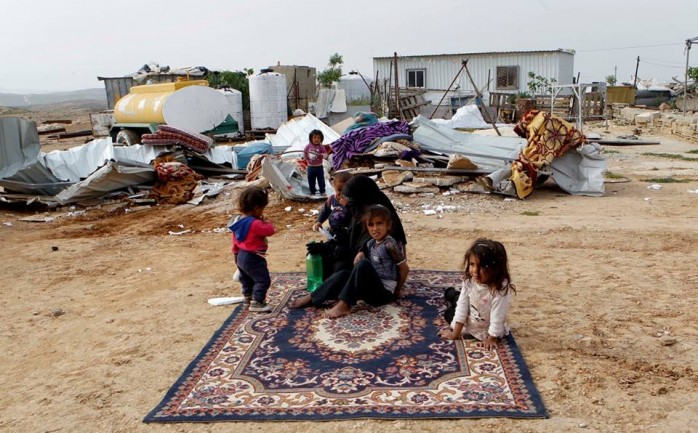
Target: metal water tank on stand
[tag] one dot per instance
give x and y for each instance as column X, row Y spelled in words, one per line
column 268, row 103
column 355, row 87
column 234, row 98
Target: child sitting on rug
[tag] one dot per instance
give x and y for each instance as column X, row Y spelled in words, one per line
column 483, row 303
column 379, row 272
column 250, row 233
column 333, row 210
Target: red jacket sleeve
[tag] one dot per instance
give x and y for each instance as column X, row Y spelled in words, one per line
column 262, row 228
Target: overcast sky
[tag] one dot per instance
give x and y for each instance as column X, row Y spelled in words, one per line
column 49, row 45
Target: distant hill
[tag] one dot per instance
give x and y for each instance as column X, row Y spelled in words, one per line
column 98, row 96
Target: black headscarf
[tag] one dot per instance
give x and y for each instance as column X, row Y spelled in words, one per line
column 362, row 192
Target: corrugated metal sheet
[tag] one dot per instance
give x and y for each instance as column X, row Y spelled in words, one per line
column 442, row 68
column 561, row 50
column 116, row 88
column 19, row 145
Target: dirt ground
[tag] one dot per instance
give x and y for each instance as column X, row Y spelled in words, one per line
column 101, row 311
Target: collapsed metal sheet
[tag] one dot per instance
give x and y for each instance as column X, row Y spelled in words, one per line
column 139, row 152
column 19, row 145
column 581, row 171
column 79, row 162
column 487, row 152
column 108, row 178
column 34, row 179
column 284, row 178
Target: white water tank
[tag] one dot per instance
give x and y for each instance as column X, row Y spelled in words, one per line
column 354, row 87
column 234, row 98
column 268, row 104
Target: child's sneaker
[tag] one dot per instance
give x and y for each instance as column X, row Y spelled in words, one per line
column 260, row 307
column 246, row 302
column 451, row 295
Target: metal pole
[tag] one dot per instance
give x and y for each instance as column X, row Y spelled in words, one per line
column 397, row 88
column 479, row 95
column 449, row 88
column 685, row 78
column 637, row 66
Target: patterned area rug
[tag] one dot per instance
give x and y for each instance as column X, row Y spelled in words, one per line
column 386, row 362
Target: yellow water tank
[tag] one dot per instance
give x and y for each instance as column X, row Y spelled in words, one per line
column 144, row 104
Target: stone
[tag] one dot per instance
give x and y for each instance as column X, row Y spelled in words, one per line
column 395, row 177
column 667, row 340
column 439, row 180
column 405, row 163
column 417, row 188
column 457, row 161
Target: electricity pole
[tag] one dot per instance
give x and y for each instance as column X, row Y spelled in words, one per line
column 685, row 80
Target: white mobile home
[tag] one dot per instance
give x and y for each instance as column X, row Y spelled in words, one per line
column 507, row 71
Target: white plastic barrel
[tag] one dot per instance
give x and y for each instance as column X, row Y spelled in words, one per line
column 234, row 98
column 268, row 104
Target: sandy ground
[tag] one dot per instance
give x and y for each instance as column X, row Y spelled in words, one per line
column 605, row 314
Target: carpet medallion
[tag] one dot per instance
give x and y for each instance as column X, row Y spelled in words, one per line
column 386, row 362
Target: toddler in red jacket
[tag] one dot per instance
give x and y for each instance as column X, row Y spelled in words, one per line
column 250, row 233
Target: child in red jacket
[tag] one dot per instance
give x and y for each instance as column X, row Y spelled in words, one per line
column 250, row 233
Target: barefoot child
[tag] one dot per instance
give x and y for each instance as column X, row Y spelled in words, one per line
column 483, row 303
column 250, row 233
column 379, row 272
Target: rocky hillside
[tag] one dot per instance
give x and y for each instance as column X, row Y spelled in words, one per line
column 87, row 96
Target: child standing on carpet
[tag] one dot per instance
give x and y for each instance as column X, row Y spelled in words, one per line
column 250, row 233
column 483, row 303
column 315, row 153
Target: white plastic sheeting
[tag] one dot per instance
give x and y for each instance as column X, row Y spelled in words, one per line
column 466, row 117
column 195, row 109
column 293, row 134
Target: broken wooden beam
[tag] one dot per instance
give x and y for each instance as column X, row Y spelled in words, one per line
column 66, row 121
column 83, row 133
column 622, row 142
column 51, row 131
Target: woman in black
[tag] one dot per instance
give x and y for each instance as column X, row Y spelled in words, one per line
column 358, row 193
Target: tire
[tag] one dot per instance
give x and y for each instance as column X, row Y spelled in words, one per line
column 126, row 137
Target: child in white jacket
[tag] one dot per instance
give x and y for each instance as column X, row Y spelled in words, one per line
column 483, row 303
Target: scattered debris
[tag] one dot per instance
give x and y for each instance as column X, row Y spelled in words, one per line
column 667, row 340
column 37, row 219
column 226, row 301
column 183, row 232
